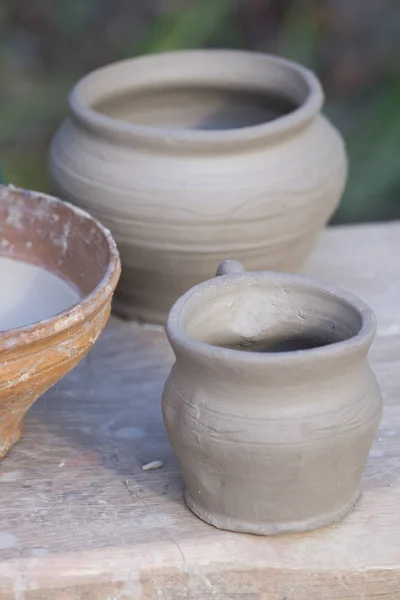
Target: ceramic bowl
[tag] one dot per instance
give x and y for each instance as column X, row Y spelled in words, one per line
column 42, row 230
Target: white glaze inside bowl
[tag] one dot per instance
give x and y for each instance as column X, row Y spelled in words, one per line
column 30, row 294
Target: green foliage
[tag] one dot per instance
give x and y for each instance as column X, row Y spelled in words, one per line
column 373, row 145
column 27, row 170
column 191, row 28
column 73, row 17
column 298, row 39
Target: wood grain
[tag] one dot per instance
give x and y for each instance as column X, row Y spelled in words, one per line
column 80, row 520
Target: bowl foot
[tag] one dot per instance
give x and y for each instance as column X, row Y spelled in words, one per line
column 9, row 435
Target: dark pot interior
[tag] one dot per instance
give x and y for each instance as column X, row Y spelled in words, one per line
column 196, row 108
column 268, row 317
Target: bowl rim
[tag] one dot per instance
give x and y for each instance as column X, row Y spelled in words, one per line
column 78, row 312
column 119, row 129
column 181, row 340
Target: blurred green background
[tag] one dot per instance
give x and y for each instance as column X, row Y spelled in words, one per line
column 353, row 45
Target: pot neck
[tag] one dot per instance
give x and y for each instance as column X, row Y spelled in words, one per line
column 240, row 307
column 273, row 370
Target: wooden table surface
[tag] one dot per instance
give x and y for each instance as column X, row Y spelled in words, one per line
column 80, row 520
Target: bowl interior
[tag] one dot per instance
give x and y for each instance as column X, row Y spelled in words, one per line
column 70, row 248
column 266, row 316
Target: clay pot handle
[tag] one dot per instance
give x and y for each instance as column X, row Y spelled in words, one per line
column 230, row 267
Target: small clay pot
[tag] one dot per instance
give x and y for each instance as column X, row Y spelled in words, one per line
column 271, row 406
column 66, row 241
column 192, row 156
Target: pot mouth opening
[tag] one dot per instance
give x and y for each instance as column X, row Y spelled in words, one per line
column 270, row 317
column 196, row 107
column 197, row 97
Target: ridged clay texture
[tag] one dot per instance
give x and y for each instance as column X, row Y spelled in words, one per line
column 191, row 173
column 270, row 442
column 63, row 239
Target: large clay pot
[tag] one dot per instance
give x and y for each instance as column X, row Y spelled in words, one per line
column 271, row 406
column 192, row 156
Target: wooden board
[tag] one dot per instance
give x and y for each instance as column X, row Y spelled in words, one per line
column 80, row 520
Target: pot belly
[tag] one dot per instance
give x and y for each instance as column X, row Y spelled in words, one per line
column 270, row 475
column 175, row 217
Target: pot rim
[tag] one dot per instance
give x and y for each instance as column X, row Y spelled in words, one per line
column 180, row 339
column 78, row 312
column 123, row 74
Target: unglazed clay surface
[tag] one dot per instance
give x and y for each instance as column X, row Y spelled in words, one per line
column 192, row 156
column 55, row 240
column 274, row 439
